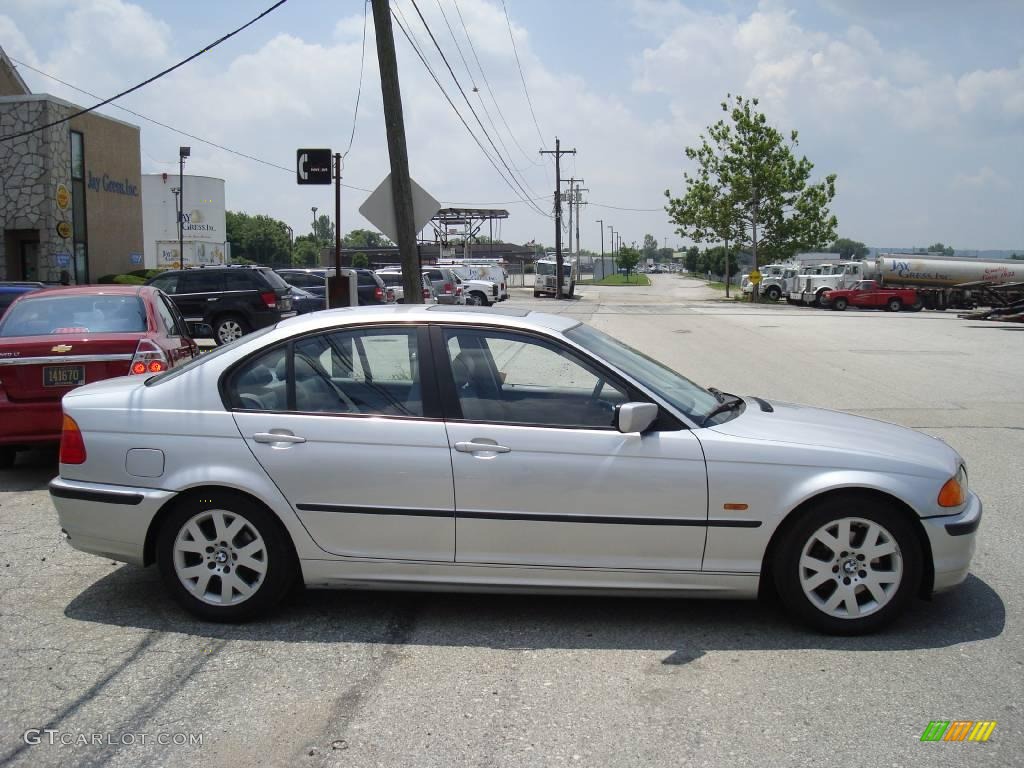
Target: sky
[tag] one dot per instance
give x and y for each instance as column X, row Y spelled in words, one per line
column 917, row 106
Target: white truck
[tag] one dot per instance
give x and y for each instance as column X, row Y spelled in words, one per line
column 777, row 280
column 843, row 274
column 545, row 282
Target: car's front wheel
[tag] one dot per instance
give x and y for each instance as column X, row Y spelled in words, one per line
column 224, row 557
column 849, row 566
column 839, row 304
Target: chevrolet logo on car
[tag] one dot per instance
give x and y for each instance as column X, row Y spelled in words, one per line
column 61, row 348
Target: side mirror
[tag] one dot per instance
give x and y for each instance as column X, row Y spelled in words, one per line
column 200, row 330
column 635, row 417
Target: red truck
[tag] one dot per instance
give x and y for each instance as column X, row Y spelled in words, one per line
column 867, row 294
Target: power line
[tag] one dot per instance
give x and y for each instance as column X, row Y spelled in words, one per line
column 465, row 98
column 540, row 134
column 144, row 83
column 491, row 92
column 620, row 208
column 359, row 90
column 171, row 128
column 514, row 183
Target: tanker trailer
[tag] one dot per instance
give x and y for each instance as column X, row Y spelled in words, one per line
column 940, row 282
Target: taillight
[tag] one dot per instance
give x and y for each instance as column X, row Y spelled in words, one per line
column 458, row 291
column 269, row 298
column 72, row 446
column 426, row 293
column 448, row 288
column 378, row 293
column 149, row 358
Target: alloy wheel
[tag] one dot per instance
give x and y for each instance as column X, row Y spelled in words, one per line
column 220, row 557
column 229, row 330
column 850, row 568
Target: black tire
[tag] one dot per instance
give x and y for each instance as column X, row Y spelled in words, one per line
column 894, row 305
column 786, row 566
column 276, row 554
column 481, row 298
column 228, row 328
column 536, row 294
column 839, row 304
column 917, row 306
column 7, row 457
column 773, row 293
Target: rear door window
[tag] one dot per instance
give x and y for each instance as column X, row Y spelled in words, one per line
column 239, row 281
column 201, row 281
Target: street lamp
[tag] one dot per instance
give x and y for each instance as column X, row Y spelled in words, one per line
column 183, row 152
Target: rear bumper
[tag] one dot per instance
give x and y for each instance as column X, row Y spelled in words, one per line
column 106, row 520
column 29, row 423
column 953, row 539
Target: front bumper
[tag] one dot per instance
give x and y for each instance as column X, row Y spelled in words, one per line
column 106, row 520
column 953, row 539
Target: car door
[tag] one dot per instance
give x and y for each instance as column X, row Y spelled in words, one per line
column 198, row 293
column 340, row 423
column 175, row 339
column 541, row 476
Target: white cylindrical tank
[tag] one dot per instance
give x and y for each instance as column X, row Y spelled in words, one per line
column 907, row 269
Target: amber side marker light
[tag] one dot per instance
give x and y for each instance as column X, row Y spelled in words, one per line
column 737, row 507
column 72, row 446
column 952, row 493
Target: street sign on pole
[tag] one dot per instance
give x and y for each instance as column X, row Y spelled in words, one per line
column 313, row 166
column 379, row 208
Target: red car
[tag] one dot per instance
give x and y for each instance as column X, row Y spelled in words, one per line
column 867, row 294
column 54, row 340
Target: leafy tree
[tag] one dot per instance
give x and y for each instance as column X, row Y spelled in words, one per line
column 628, row 259
column 359, row 261
column 692, row 258
column 715, row 261
column 749, row 188
column 366, row 238
column 323, row 229
column 849, row 249
column 945, row 250
column 664, row 255
column 306, row 252
column 260, row 239
column 650, row 247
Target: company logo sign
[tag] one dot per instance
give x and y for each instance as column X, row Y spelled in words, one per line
column 958, row 730
column 116, row 186
column 194, row 222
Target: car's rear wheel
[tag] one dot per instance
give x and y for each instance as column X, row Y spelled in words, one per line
column 849, row 566
column 224, row 557
column 894, row 305
column 839, row 304
column 773, row 292
column 230, row 328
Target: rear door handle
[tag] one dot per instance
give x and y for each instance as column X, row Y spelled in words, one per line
column 479, row 447
column 277, row 437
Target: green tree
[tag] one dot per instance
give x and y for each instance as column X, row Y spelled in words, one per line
column 628, row 259
column 749, row 188
column 260, row 239
column 849, row 249
column 715, row 261
column 323, row 229
column 306, row 252
column 692, row 258
column 366, row 238
column 650, row 247
column 359, row 261
column 945, row 250
column 664, row 255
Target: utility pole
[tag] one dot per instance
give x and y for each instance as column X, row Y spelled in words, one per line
column 337, row 216
column 183, row 152
column 401, row 184
column 579, row 202
column 600, row 223
column 557, row 152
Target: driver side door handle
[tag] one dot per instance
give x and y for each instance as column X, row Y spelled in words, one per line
column 277, row 437
column 480, row 447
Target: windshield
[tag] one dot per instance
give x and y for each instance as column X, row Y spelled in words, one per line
column 696, row 402
column 46, row 315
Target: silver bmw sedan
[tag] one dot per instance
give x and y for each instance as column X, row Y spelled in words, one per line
column 450, row 448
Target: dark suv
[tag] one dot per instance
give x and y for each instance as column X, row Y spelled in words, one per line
column 232, row 300
column 370, row 286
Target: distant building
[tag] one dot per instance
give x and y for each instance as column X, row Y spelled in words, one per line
column 205, row 228
column 70, row 194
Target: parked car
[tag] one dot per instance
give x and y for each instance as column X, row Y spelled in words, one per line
column 305, row 302
column 369, row 288
column 10, row 290
column 392, row 277
column 447, row 285
column 537, row 454
column 54, row 340
column 867, row 294
column 232, row 300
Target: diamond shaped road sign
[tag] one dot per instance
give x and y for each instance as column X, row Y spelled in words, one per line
column 379, row 208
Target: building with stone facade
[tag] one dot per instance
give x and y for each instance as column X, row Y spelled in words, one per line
column 70, row 193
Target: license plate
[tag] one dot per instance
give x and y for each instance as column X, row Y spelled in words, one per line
column 63, row 375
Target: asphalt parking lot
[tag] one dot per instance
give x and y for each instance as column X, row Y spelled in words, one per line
column 95, row 648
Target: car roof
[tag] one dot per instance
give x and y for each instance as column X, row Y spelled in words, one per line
column 111, row 289
column 512, row 317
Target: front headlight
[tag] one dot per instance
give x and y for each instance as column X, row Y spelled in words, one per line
column 954, row 492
